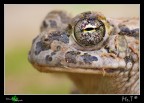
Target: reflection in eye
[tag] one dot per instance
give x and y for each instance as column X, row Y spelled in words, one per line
column 89, row 32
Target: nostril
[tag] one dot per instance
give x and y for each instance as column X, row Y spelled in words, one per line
column 45, row 24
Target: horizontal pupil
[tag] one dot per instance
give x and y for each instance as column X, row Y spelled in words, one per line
column 89, row 29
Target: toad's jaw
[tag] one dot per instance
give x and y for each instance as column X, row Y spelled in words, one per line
column 84, row 69
column 102, row 71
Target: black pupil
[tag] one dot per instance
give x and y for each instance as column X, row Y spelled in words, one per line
column 89, row 29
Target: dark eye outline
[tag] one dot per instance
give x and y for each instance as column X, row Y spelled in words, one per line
column 97, row 28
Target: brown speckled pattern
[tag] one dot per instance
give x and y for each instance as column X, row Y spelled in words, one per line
column 116, row 57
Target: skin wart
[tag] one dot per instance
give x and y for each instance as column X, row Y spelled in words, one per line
column 99, row 54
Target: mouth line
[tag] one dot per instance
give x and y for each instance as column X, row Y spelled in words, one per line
column 65, row 69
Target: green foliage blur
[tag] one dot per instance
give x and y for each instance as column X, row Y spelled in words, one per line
column 22, row 78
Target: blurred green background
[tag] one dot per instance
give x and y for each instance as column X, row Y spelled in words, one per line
column 21, row 25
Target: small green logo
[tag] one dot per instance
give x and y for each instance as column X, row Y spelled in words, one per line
column 14, row 99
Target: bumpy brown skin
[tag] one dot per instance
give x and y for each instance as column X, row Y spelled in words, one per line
column 109, row 67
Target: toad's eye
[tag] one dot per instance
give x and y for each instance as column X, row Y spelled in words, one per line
column 89, row 32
